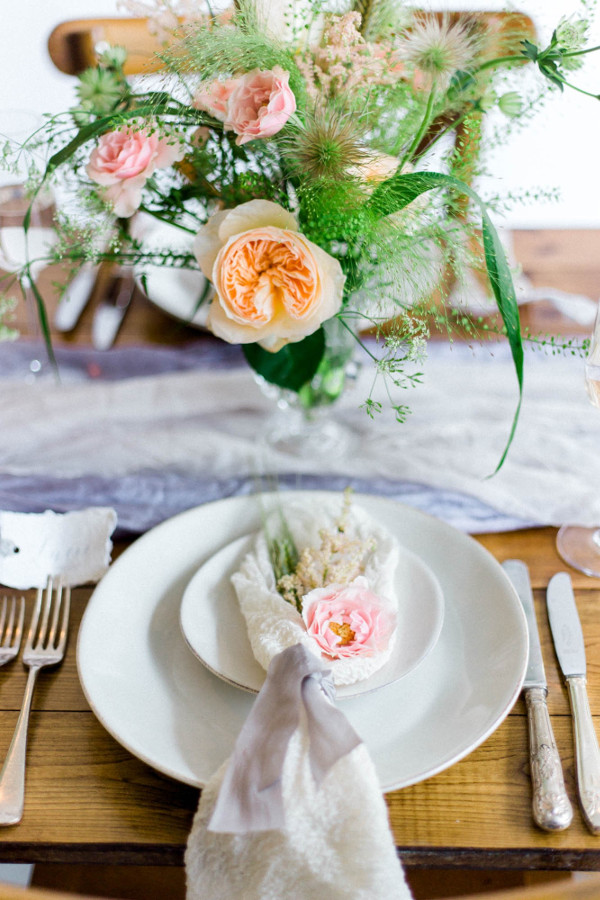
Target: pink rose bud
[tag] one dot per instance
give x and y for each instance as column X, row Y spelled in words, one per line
column 260, row 104
column 124, row 160
column 349, row 620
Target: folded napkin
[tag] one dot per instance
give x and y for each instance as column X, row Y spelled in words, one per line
column 274, row 623
column 297, row 811
column 74, row 545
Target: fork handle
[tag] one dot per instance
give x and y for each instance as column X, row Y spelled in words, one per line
column 12, row 776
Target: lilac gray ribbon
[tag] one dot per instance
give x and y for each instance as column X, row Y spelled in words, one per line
column 250, row 798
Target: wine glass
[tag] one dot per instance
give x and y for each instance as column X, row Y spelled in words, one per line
column 17, row 247
column 580, row 546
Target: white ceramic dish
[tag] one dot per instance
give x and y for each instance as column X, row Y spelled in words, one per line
column 215, row 629
column 166, row 708
column 175, row 291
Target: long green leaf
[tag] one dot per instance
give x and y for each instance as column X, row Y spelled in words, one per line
column 43, row 318
column 400, row 190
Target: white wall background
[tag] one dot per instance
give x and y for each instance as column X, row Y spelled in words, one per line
column 560, row 149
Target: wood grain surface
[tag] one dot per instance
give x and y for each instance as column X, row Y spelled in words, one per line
column 88, row 800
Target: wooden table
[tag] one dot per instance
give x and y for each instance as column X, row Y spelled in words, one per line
column 89, row 801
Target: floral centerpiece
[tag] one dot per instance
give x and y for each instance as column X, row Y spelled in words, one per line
column 303, row 149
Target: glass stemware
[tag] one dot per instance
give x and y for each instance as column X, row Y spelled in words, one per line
column 17, row 248
column 580, row 546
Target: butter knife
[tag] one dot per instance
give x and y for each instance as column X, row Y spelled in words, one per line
column 110, row 313
column 75, row 298
column 551, row 806
column 570, row 650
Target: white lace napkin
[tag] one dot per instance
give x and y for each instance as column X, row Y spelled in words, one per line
column 75, row 545
column 288, row 816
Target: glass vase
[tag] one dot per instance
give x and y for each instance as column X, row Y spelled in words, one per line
column 302, row 423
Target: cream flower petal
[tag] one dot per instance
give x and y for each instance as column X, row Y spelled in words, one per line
column 207, row 243
column 254, row 214
column 227, row 329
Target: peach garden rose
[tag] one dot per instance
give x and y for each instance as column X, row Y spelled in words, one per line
column 123, row 161
column 349, row 620
column 272, row 284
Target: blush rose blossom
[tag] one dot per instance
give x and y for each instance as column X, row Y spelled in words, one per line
column 123, row 161
column 260, row 104
column 349, row 620
column 273, row 285
column 213, row 97
column 255, row 105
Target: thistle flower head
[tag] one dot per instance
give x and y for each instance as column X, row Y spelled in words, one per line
column 328, row 147
column 439, row 48
column 99, row 90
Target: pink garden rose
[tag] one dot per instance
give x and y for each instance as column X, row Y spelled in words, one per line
column 255, row 105
column 124, row 160
column 213, row 97
column 272, row 284
column 349, row 620
column 260, row 104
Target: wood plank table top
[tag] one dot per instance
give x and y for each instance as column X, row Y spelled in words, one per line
column 88, row 800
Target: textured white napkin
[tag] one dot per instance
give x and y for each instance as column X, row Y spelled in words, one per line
column 289, row 835
column 74, row 545
column 209, row 424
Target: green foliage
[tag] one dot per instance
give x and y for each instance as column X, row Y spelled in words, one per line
column 399, row 191
column 292, row 366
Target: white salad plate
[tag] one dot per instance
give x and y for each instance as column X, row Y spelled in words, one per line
column 215, row 629
column 174, row 290
column 161, row 703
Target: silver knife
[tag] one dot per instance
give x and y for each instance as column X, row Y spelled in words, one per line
column 551, row 806
column 111, row 312
column 75, row 298
column 570, row 649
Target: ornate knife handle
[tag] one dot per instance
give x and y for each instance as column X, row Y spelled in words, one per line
column 552, row 808
column 586, row 752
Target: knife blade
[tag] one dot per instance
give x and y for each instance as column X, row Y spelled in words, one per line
column 570, row 650
column 551, row 807
column 111, row 312
column 75, row 298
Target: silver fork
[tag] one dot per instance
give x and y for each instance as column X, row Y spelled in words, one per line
column 11, row 631
column 45, row 646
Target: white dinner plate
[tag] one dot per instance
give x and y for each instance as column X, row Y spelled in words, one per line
column 162, row 704
column 215, row 629
column 176, row 291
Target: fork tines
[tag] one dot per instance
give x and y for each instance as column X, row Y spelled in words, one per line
column 51, row 601
column 11, row 627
